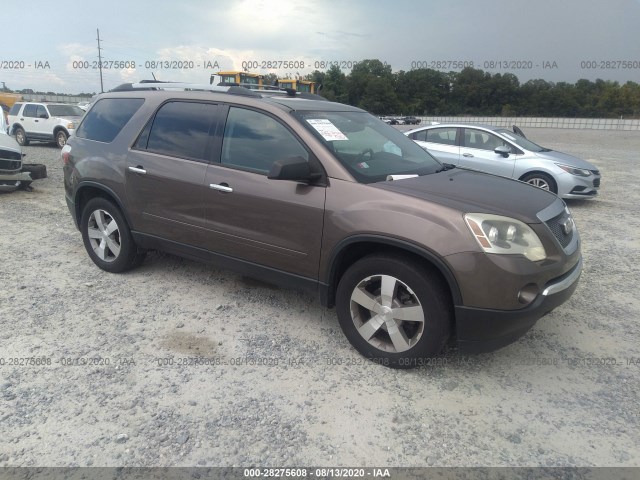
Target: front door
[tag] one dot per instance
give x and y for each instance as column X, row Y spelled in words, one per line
column 273, row 223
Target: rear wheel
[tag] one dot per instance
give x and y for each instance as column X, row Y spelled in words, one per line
column 541, row 180
column 21, row 137
column 107, row 237
column 394, row 311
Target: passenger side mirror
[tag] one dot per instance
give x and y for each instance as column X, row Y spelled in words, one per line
column 43, row 115
column 292, row 168
column 503, row 150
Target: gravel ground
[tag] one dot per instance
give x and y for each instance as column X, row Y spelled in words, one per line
column 105, row 372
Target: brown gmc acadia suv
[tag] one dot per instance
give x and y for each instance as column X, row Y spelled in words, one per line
column 311, row 194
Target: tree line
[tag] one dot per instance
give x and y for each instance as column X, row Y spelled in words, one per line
column 373, row 86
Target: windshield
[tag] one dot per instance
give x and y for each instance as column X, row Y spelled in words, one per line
column 369, row 148
column 521, row 141
column 65, row 111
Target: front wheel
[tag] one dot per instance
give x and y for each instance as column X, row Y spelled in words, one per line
column 541, row 180
column 394, row 311
column 61, row 138
column 107, row 237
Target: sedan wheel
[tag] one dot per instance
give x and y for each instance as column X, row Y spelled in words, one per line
column 541, row 180
column 393, row 310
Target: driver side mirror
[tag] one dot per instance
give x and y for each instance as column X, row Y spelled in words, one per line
column 503, row 150
column 292, row 168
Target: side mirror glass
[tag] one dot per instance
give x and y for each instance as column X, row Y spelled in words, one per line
column 291, row 168
column 503, row 150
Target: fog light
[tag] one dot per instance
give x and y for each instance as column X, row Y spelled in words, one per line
column 528, row 293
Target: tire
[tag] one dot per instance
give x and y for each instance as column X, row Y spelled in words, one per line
column 541, row 180
column 421, row 291
column 61, row 138
column 36, row 170
column 114, row 251
column 21, row 137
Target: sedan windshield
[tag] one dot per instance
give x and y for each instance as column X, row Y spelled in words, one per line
column 369, row 148
column 521, row 141
column 65, row 111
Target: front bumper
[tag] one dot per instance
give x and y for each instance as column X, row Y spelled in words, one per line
column 483, row 330
column 12, row 181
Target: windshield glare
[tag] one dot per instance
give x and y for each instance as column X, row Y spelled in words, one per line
column 369, row 148
column 65, row 111
column 521, row 141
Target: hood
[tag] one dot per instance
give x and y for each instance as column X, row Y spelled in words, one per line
column 566, row 159
column 476, row 192
column 9, row 147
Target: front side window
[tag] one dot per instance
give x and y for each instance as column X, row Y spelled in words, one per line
column 367, row 147
column 253, row 141
column 482, row 140
column 107, row 118
column 41, row 112
column 181, row 129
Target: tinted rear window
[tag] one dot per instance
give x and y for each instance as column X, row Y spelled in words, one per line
column 15, row 109
column 107, row 117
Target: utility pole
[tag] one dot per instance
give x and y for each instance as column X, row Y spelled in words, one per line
column 100, row 61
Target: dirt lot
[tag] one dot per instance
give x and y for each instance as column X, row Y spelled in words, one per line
column 98, row 369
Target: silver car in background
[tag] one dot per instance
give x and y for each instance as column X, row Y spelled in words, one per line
column 500, row 151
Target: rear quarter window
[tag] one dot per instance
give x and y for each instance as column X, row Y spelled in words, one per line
column 15, row 109
column 107, row 118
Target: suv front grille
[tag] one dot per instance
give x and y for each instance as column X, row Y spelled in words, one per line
column 556, row 226
column 596, row 182
column 10, row 165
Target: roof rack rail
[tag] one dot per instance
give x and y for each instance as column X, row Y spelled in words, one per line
column 230, row 88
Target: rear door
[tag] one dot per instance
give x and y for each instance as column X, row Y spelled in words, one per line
column 273, row 223
column 440, row 142
column 28, row 118
column 166, row 170
column 477, row 153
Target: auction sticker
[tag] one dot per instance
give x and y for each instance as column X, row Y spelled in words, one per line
column 327, row 129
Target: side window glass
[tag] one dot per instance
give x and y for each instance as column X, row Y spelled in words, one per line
column 182, row 129
column 482, row 140
column 41, row 112
column 253, row 141
column 421, row 136
column 445, row 136
column 107, row 118
column 29, row 111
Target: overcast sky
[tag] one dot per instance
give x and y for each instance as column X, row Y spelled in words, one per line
column 573, row 38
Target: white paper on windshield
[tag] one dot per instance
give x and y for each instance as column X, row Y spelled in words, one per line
column 327, row 129
column 400, row 177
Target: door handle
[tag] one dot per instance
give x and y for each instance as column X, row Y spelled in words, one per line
column 222, row 187
column 138, row 169
column 467, row 154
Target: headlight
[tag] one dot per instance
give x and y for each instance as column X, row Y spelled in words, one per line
column 504, row 235
column 580, row 172
column 70, row 126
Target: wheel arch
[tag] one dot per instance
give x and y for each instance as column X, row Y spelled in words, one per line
column 352, row 249
column 14, row 127
column 539, row 172
column 57, row 128
column 85, row 191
